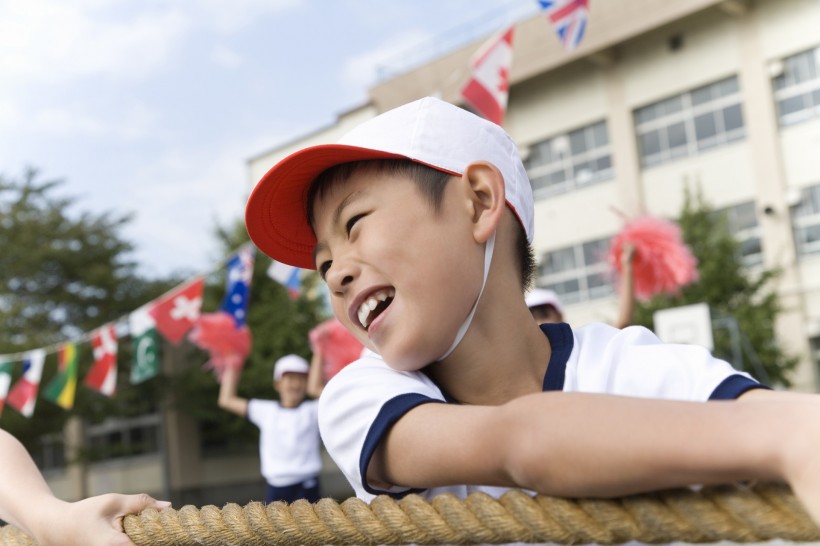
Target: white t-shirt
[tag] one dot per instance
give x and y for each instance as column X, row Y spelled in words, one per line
column 362, row 402
column 289, row 439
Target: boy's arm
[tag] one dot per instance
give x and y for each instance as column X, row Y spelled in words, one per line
column 27, row 502
column 315, row 379
column 228, row 399
column 579, row 445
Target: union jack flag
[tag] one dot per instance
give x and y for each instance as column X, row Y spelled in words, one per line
column 568, row 18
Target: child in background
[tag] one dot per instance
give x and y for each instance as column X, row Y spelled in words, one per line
column 546, row 307
column 420, row 221
column 27, row 503
column 289, row 443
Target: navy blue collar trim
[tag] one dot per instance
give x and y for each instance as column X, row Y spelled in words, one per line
column 561, row 343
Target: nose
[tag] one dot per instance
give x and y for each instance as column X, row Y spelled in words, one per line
column 343, row 271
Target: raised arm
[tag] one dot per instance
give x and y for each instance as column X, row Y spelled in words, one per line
column 228, row 399
column 27, row 502
column 626, row 288
column 315, row 379
column 578, row 445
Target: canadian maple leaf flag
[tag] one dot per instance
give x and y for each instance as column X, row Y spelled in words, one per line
column 489, row 85
column 177, row 312
column 102, row 376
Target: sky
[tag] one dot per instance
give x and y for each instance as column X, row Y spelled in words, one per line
column 153, row 108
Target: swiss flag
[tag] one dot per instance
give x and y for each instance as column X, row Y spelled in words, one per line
column 488, row 87
column 177, row 312
column 102, row 376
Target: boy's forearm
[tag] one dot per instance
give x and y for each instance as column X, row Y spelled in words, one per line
column 597, row 445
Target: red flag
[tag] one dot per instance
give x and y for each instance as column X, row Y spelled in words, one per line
column 177, row 312
column 488, row 87
column 102, row 376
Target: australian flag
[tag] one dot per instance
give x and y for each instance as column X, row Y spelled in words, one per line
column 238, row 285
column 568, row 18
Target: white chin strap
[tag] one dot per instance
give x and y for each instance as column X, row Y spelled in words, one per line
column 488, row 258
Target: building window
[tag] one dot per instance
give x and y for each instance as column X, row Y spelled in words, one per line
column 115, row 438
column 50, row 454
column 570, row 161
column 577, row 273
column 806, row 221
column 690, row 123
column 797, row 87
column 744, row 227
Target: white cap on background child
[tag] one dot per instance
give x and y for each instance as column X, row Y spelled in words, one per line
column 290, row 364
column 428, row 131
column 542, row 296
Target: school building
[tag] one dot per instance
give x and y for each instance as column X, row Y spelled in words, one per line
column 723, row 95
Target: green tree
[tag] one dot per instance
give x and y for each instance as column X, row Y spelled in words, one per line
column 732, row 291
column 63, row 272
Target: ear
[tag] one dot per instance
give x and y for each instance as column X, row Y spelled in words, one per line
column 485, row 188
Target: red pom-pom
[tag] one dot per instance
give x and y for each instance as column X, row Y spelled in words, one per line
column 337, row 346
column 662, row 263
column 227, row 345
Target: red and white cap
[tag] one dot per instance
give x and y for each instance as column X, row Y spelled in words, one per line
column 428, row 131
column 290, row 364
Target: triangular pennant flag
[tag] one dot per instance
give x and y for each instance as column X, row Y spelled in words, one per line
column 489, row 85
column 177, row 312
column 23, row 395
column 62, row 388
column 146, row 345
column 5, row 382
column 287, row 276
column 238, row 284
column 102, row 376
column 568, row 18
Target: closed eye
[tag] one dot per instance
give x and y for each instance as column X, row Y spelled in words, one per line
column 352, row 222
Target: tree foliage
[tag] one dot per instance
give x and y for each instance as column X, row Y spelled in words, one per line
column 63, row 272
column 732, row 291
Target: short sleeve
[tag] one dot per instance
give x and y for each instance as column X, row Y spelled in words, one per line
column 259, row 411
column 358, row 407
column 635, row 362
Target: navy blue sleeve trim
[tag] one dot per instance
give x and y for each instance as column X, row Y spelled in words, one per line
column 733, row 386
column 561, row 343
column 393, row 410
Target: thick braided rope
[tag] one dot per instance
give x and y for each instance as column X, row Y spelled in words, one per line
column 734, row 513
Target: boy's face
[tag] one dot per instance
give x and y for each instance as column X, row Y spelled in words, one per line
column 292, row 388
column 401, row 276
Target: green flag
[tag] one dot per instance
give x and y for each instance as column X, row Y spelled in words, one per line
column 146, row 345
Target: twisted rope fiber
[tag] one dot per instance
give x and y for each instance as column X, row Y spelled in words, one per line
column 735, row 513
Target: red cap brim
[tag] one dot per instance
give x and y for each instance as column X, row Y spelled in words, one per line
column 276, row 213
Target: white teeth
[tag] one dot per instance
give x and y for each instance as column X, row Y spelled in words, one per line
column 370, row 305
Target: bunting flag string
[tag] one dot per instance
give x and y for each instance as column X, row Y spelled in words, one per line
column 174, row 315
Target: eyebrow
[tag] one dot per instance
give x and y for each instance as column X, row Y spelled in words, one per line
column 337, row 216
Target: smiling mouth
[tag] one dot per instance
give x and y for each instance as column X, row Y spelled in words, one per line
column 373, row 306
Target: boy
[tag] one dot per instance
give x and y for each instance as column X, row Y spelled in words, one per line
column 289, row 447
column 420, row 220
